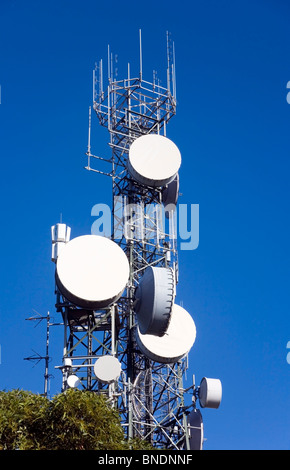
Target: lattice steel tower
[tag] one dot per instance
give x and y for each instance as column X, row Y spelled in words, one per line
column 145, row 382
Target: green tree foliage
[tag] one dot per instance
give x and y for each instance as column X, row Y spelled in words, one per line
column 23, row 420
column 84, row 421
column 73, row 420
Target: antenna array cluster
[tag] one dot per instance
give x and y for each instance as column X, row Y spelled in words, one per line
column 124, row 334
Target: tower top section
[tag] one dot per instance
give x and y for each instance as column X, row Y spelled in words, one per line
column 131, row 107
column 108, row 101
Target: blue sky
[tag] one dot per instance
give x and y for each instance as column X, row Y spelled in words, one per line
column 232, row 128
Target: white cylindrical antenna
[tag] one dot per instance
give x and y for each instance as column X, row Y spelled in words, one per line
column 140, row 46
column 60, row 235
column 210, row 393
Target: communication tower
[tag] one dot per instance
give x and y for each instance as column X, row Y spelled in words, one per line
column 124, row 335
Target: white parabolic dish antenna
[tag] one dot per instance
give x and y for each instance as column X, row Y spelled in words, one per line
column 175, row 343
column 73, row 381
column 153, row 160
column 107, row 369
column 92, row 271
column 155, row 298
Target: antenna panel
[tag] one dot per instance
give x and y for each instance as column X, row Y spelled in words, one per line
column 60, row 233
column 56, row 249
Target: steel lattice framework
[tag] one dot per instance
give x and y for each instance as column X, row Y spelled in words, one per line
column 149, row 395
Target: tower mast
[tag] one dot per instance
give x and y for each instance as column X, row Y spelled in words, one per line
column 108, row 346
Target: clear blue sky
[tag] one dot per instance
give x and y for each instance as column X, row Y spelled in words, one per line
column 232, row 128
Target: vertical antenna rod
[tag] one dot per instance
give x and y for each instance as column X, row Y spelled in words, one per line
column 89, row 131
column 174, row 73
column 46, row 373
column 109, row 72
column 140, row 46
column 168, row 61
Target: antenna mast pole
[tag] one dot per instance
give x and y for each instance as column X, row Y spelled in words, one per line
column 37, row 357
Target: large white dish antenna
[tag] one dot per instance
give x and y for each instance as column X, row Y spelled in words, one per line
column 153, row 160
column 92, row 271
column 154, row 300
column 107, row 369
column 175, row 343
column 210, row 393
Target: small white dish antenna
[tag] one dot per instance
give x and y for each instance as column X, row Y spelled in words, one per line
column 154, row 300
column 153, row 160
column 210, row 393
column 92, row 271
column 175, row 343
column 107, row 369
column 73, row 381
